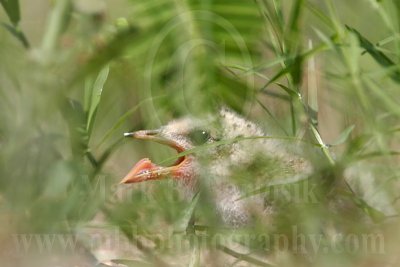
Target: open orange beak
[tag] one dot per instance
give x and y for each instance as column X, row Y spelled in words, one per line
column 146, row 170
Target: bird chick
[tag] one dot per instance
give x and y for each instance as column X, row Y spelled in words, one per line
column 230, row 151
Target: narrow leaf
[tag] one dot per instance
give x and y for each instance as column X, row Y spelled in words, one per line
column 323, row 146
column 95, row 97
column 88, row 90
column 124, row 117
column 12, row 9
column 277, row 76
column 17, row 34
column 320, row 14
column 184, row 220
column 272, row 116
column 295, row 16
column 291, row 62
column 379, row 56
column 343, row 136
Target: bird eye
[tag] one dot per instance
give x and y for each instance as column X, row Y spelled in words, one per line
column 199, row 137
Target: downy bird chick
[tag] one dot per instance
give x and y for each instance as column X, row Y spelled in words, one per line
column 230, row 151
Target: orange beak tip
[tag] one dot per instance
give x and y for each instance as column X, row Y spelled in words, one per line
column 123, row 181
column 136, row 173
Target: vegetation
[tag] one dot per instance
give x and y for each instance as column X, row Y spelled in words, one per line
column 76, row 75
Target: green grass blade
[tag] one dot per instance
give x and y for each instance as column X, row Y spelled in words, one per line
column 123, row 118
column 12, row 10
column 58, row 22
column 234, row 140
column 292, row 62
column 17, row 33
column 312, row 103
column 320, row 14
column 293, row 26
column 95, row 97
column 322, row 144
column 379, row 57
column 343, row 136
column 183, row 222
column 272, row 116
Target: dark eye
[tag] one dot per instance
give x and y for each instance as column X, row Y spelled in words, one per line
column 199, row 137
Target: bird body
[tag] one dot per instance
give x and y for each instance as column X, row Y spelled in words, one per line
column 236, row 152
column 233, row 163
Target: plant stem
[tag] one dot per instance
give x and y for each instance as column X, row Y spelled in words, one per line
column 55, row 26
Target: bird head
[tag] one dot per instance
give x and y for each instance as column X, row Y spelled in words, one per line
column 181, row 135
column 188, row 133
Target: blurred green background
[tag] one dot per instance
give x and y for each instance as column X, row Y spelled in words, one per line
column 76, row 75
